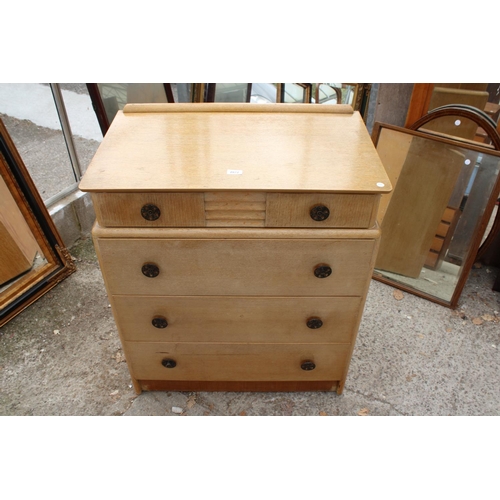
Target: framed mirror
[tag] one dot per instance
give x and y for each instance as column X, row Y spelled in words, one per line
column 109, row 98
column 438, row 215
column 33, row 258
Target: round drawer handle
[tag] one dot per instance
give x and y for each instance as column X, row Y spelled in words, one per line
column 322, row 271
column 169, row 363
column 314, row 323
column 319, row 213
column 308, row 366
column 150, row 270
column 160, row 322
column 150, row 212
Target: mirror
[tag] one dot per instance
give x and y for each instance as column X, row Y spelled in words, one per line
column 429, row 96
column 434, row 221
column 109, row 98
column 33, row 258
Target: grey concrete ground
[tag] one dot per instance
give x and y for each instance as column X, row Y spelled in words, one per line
column 62, row 356
column 29, row 114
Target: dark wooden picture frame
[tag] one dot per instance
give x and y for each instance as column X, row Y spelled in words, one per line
column 475, row 247
column 57, row 262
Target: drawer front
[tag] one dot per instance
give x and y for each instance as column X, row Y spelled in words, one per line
column 235, row 209
column 236, row 361
column 149, row 209
column 236, row 267
column 237, row 319
column 321, row 210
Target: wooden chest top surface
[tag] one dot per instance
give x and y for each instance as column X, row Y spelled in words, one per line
column 218, row 147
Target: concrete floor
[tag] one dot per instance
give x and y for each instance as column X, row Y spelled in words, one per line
column 62, row 356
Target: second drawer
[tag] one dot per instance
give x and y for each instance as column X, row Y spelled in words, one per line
column 236, row 267
column 237, row 319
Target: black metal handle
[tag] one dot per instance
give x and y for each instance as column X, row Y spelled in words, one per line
column 169, row 363
column 150, row 212
column 160, row 322
column 150, row 270
column 319, row 213
column 308, row 366
column 322, row 271
column 314, row 323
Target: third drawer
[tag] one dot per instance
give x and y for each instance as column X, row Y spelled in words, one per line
column 237, row 319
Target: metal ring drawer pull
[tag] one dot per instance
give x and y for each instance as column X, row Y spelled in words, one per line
column 150, row 212
column 319, row 213
column 160, row 322
column 314, row 323
column 169, row 363
column 150, row 270
column 322, row 271
column 308, row 366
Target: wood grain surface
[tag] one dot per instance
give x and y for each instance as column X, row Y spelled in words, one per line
column 346, row 210
column 237, row 319
column 235, row 267
column 175, row 150
column 233, row 361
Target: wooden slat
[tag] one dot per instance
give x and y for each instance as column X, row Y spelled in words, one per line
column 236, row 233
column 238, row 386
column 431, row 259
column 235, row 196
column 437, row 244
column 227, row 107
column 442, row 229
column 235, row 223
column 235, row 209
column 448, row 215
column 235, row 205
column 235, row 215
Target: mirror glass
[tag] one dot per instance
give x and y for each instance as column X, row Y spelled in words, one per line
column 115, row 95
column 231, row 92
column 19, row 250
column 434, row 220
column 32, row 256
column 482, row 96
column 457, row 127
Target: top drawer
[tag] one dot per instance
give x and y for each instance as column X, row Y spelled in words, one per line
column 149, row 209
column 236, row 209
column 356, row 211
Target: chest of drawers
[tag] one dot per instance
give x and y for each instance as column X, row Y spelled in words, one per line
column 237, row 242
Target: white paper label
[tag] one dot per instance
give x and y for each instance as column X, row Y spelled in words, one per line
column 234, row 172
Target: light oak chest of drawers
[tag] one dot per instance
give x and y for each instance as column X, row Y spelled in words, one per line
column 237, row 242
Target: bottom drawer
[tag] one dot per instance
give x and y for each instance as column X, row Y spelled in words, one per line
column 236, row 362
